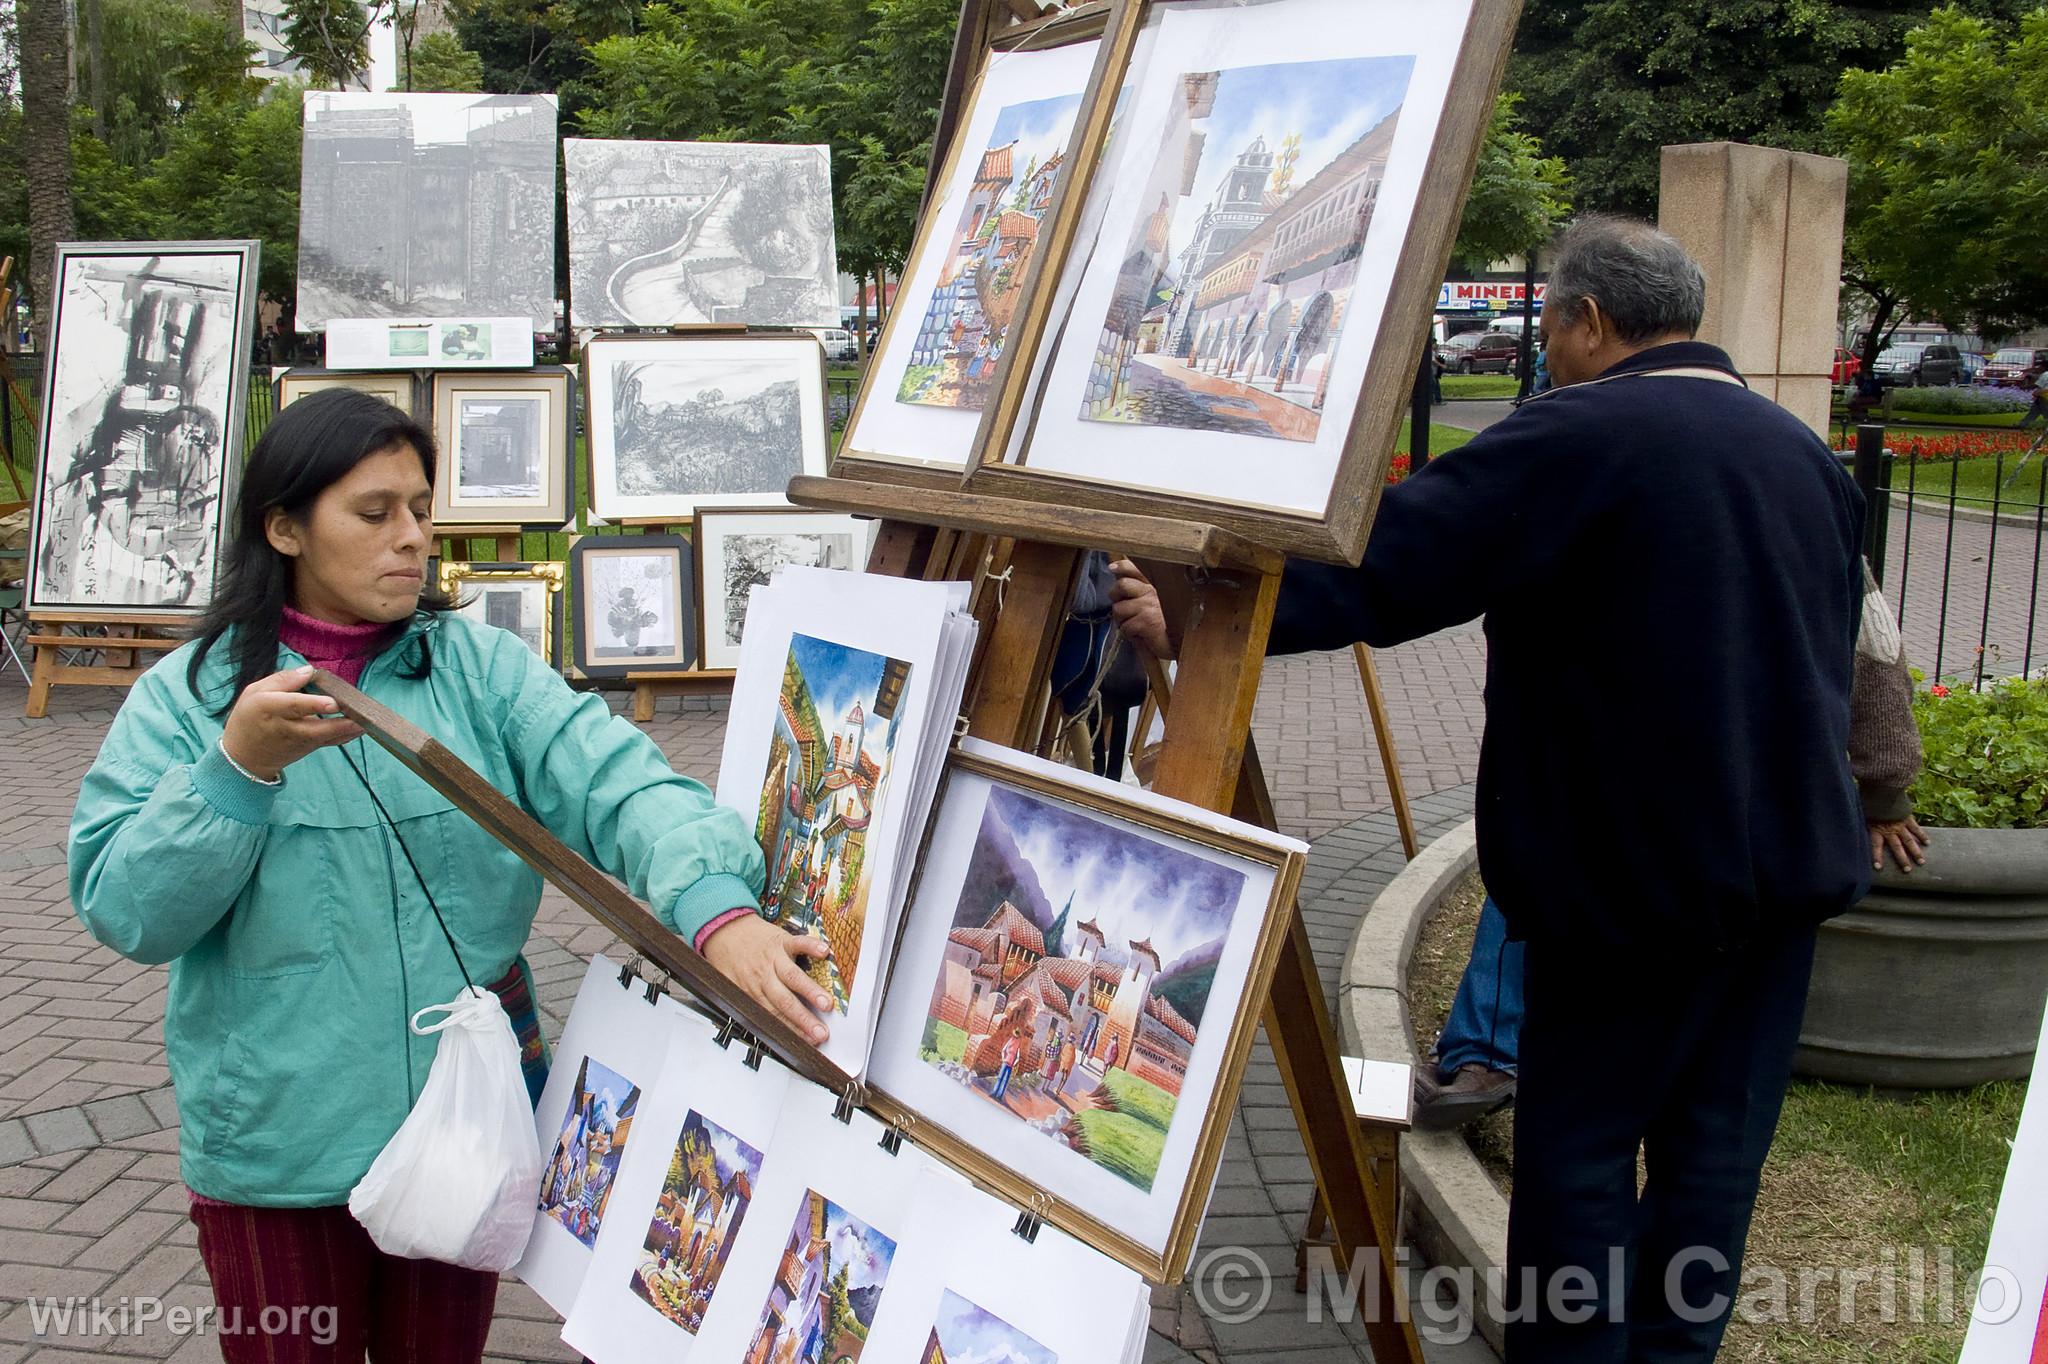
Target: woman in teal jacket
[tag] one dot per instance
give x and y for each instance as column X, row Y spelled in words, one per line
column 231, row 827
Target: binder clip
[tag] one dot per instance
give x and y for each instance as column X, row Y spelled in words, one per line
column 629, row 971
column 850, row 1098
column 656, row 988
column 727, row 1030
column 961, row 724
column 756, row 1049
column 1028, row 1227
column 892, row 1140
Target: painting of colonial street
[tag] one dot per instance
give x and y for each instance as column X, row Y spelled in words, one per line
column 703, row 1201
column 967, row 321
column 1237, row 283
column 828, row 776
column 826, row 1287
column 1076, row 977
column 965, row 1334
column 587, row 1151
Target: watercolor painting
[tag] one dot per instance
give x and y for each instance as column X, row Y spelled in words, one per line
column 967, row 321
column 1236, row 285
column 827, row 1285
column 965, row 1334
column 827, row 780
column 704, row 1200
column 586, row 1155
column 1076, row 976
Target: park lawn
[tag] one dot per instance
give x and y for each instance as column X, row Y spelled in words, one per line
column 1124, row 1144
column 1481, row 386
column 1935, row 423
column 943, row 1041
column 1977, row 482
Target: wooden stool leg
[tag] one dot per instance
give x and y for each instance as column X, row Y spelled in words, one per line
column 39, row 684
column 643, row 701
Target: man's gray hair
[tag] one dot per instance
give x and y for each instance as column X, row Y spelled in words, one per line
column 1644, row 282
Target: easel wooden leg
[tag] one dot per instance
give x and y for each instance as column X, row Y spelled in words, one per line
column 1390, row 761
column 643, row 701
column 40, row 682
column 1018, row 661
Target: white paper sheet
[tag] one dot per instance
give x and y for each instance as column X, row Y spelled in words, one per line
column 2009, row 1324
column 430, row 343
column 660, row 1262
column 965, row 1278
column 831, row 1201
column 615, row 1043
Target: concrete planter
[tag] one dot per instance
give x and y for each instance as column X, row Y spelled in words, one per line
column 1938, row 979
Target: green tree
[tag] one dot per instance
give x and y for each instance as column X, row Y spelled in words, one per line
column 1519, row 195
column 1610, row 82
column 45, row 159
column 331, row 39
column 1948, row 175
column 439, row 61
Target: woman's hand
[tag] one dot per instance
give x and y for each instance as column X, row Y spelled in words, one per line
column 761, row 959
column 274, row 724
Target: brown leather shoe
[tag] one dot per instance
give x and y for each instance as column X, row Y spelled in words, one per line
column 1470, row 1094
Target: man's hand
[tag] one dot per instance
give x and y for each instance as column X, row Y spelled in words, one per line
column 1905, row 840
column 761, row 959
column 1134, row 603
column 274, row 724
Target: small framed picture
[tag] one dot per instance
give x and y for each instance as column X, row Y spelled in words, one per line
column 634, row 603
column 505, row 448
column 739, row 549
column 394, row 387
column 523, row 598
column 681, row 421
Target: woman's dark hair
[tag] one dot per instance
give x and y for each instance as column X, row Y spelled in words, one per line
column 309, row 447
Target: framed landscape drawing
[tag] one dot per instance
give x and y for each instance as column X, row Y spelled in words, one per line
column 634, row 604
column 676, row 421
column 523, row 598
column 934, row 364
column 668, row 233
column 739, row 550
column 1233, row 337
column 146, row 395
column 393, row 387
column 1075, row 994
column 427, row 206
column 505, row 448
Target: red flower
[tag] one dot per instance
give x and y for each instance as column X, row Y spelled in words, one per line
column 1938, row 690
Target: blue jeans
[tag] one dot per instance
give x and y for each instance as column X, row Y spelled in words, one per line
column 1485, row 1026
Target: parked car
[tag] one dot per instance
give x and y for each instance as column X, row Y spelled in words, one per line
column 1972, row 367
column 840, row 347
column 1482, row 353
column 1920, row 366
column 2016, row 366
column 1847, row 366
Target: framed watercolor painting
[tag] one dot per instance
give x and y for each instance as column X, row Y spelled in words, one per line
column 633, row 603
column 738, row 550
column 676, row 421
column 1268, row 193
column 934, row 364
column 147, row 384
column 523, row 598
column 1076, row 992
column 396, row 388
column 505, row 457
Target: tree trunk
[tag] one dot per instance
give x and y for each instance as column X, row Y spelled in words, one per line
column 1873, row 340
column 860, row 324
column 96, row 64
column 46, row 151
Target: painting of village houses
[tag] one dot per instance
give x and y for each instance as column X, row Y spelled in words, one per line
column 982, row 269
column 1076, row 976
column 703, row 1201
column 1236, row 285
column 585, row 1157
column 828, row 776
column 965, row 1334
column 827, row 1285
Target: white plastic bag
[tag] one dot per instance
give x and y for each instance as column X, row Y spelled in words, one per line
column 456, row 1182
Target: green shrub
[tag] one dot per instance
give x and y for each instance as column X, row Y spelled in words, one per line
column 1958, row 402
column 1987, row 755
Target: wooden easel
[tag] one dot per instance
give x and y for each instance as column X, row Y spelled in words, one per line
column 130, row 645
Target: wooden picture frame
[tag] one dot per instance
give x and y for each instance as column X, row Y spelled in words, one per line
column 677, row 421
column 1069, row 389
column 946, row 1102
column 400, row 388
column 717, row 527
column 1076, row 37
column 609, row 622
column 535, row 612
column 141, row 434
column 521, row 471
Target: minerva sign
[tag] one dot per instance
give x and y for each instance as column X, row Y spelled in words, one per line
column 1471, row 296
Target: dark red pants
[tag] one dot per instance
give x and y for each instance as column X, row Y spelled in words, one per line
column 307, row 1286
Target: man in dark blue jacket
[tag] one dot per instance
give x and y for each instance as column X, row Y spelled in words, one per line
column 1667, row 564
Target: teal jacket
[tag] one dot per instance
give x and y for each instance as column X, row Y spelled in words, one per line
column 298, row 940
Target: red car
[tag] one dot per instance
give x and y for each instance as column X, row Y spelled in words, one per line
column 1847, row 366
column 1482, row 352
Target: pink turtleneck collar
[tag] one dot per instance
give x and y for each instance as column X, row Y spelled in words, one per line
column 343, row 650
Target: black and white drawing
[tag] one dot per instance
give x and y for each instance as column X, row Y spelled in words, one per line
column 501, row 442
column 634, row 604
column 739, row 551
column 427, row 206
column 662, row 233
column 142, row 428
column 679, row 421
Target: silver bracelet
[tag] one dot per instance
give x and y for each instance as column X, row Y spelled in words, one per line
column 222, row 745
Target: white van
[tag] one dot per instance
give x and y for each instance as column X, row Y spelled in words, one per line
column 840, row 347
